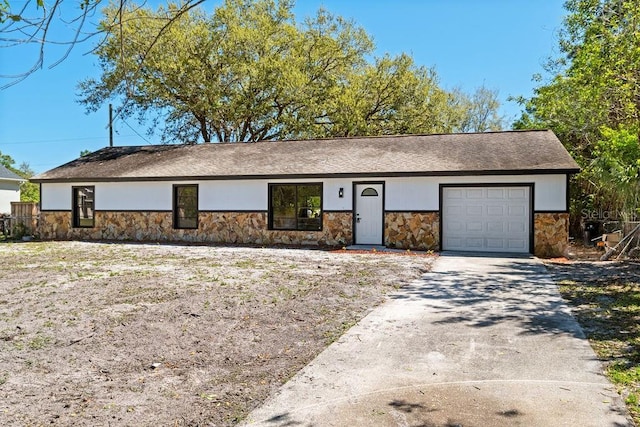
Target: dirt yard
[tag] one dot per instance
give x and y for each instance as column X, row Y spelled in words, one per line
column 136, row 335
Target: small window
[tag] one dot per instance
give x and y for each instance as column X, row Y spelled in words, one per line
column 369, row 192
column 83, row 207
column 185, row 206
column 295, row 206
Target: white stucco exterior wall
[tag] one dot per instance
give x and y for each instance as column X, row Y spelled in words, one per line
column 401, row 194
column 136, row 196
column 55, row 196
column 112, row 196
column 422, row 193
column 223, row 195
column 243, row 195
column 9, row 192
column 253, row 195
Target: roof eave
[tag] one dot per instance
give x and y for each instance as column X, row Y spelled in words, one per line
column 550, row 171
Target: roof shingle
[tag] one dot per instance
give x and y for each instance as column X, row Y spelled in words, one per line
column 9, row 175
column 444, row 154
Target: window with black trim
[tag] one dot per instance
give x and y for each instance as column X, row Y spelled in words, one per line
column 185, row 206
column 83, row 206
column 295, row 206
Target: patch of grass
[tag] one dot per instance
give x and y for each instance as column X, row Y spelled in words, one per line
column 627, row 377
column 285, row 292
column 332, row 335
column 247, row 263
column 609, row 313
column 39, row 342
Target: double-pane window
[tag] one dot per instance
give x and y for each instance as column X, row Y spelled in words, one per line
column 295, row 206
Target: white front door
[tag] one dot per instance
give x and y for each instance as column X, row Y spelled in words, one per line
column 486, row 219
column 368, row 214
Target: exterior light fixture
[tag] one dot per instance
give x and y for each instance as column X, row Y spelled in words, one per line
column 341, row 192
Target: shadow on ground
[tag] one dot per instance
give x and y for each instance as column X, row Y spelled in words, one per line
column 523, row 292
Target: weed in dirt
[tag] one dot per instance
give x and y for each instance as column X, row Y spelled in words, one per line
column 246, row 264
column 331, row 336
column 607, row 305
column 285, row 292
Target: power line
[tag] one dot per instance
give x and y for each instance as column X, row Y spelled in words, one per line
column 135, row 131
column 45, row 141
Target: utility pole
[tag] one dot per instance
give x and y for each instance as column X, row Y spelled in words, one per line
column 110, row 125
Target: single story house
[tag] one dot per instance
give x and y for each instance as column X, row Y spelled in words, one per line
column 9, row 189
column 487, row 192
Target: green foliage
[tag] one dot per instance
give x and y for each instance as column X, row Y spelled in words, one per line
column 479, row 112
column 613, row 175
column 592, row 102
column 6, row 161
column 251, row 72
column 19, row 231
column 5, row 13
column 608, row 309
column 29, row 192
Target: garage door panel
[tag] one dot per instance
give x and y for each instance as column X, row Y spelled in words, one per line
column 495, row 210
column 518, row 193
column 489, row 219
column 474, row 193
column 473, row 243
column 455, row 242
column 518, row 211
column 495, row 193
column 518, row 244
column 474, row 210
column 474, row 226
column 495, row 244
column 455, row 194
column 516, row 227
column 454, row 210
column 495, row 227
column 456, row 226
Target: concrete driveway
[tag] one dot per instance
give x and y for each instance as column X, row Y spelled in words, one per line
column 479, row 341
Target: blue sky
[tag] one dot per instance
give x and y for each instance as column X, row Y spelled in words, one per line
column 498, row 43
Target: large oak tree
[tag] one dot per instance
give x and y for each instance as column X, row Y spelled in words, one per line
column 249, row 71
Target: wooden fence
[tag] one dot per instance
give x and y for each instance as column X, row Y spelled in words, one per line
column 24, row 218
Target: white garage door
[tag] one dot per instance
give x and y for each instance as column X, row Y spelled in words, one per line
column 486, row 219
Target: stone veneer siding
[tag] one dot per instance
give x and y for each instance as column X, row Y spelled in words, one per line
column 551, row 234
column 412, row 230
column 406, row 230
column 213, row 227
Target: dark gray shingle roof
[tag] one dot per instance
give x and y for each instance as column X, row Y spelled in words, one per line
column 7, row 174
column 446, row 154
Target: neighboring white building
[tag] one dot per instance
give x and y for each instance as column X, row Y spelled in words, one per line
column 485, row 192
column 9, row 189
